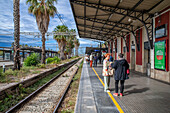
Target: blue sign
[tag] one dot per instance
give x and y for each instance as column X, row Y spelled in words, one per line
column 96, row 50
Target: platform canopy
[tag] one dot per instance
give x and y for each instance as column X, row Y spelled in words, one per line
column 107, row 19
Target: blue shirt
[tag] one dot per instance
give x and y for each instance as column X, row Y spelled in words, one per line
column 111, row 59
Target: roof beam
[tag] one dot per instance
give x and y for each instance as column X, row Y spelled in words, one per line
column 129, row 12
column 99, row 28
column 85, row 16
column 103, row 36
column 128, row 27
column 96, row 33
column 73, row 10
column 104, row 21
column 110, row 15
column 96, row 13
column 82, row 36
column 155, row 6
column 132, row 13
column 107, row 7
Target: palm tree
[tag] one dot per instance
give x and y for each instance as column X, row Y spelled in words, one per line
column 70, row 43
column 69, row 46
column 16, row 14
column 26, row 45
column 42, row 10
column 61, row 39
column 77, row 44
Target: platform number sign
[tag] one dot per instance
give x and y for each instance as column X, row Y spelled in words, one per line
column 160, row 55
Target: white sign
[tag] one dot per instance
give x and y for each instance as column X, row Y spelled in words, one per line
column 7, row 56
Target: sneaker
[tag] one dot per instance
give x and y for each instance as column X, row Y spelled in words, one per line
column 115, row 94
column 121, row 94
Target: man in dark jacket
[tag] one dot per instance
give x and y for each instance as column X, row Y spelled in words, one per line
column 120, row 66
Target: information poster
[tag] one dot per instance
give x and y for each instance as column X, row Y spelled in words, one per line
column 160, row 55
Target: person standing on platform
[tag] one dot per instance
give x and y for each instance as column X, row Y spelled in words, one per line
column 103, row 58
column 91, row 60
column 99, row 58
column 95, row 60
column 121, row 66
column 86, row 59
column 105, row 72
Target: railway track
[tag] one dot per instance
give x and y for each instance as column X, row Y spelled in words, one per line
column 48, row 97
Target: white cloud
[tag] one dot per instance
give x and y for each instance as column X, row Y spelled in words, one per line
column 28, row 22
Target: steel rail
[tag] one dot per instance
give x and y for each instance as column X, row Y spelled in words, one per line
column 63, row 95
column 29, row 97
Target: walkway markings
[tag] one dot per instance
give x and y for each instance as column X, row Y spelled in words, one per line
column 111, row 96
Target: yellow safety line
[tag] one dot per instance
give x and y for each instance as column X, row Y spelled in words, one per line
column 111, row 96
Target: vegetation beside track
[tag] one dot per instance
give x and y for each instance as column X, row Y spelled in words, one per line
column 15, row 76
column 68, row 104
column 22, row 92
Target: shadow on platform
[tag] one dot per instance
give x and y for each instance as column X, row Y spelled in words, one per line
column 134, row 90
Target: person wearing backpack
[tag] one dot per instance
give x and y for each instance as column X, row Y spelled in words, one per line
column 121, row 67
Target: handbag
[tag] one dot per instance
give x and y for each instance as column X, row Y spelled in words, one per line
column 111, row 72
column 127, row 75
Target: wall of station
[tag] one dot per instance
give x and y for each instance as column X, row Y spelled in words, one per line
column 138, row 60
column 161, row 20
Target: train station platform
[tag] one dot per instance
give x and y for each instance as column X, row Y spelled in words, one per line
column 141, row 95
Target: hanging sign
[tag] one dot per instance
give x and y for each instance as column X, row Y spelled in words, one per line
column 161, row 31
column 160, row 55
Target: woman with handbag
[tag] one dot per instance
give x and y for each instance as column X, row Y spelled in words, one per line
column 105, row 72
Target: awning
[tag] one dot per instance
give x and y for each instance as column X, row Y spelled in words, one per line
column 107, row 19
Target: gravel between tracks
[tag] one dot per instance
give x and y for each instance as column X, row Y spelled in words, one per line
column 46, row 101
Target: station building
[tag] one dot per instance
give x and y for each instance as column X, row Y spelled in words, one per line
column 139, row 29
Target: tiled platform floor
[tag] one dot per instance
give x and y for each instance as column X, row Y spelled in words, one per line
column 142, row 94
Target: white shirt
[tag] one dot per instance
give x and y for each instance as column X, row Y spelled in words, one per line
column 86, row 58
column 91, row 57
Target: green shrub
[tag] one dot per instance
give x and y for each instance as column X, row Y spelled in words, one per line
column 35, row 72
column 49, row 60
column 1, row 71
column 32, row 60
column 41, row 66
column 53, row 60
column 74, row 57
column 25, row 69
column 11, row 72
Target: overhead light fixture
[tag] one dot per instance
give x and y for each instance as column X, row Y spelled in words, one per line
column 110, row 16
column 129, row 20
column 156, row 14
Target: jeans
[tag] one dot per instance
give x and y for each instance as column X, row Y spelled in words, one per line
column 106, row 82
column 121, row 85
column 95, row 63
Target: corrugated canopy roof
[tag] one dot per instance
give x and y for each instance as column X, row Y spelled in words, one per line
column 104, row 19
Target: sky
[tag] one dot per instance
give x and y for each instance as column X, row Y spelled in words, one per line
column 28, row 24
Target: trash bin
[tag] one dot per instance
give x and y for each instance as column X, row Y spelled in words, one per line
column 148, row 69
